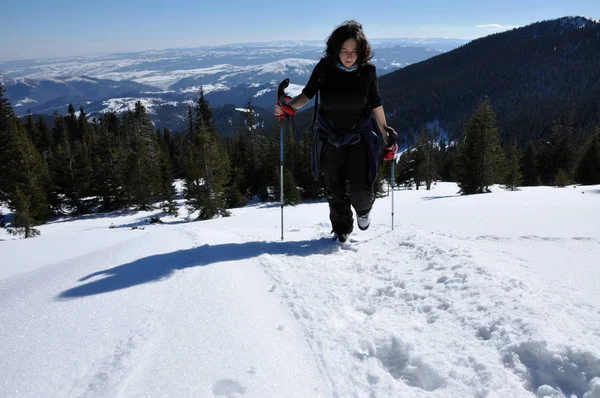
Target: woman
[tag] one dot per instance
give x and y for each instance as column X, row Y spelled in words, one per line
column 347, row 140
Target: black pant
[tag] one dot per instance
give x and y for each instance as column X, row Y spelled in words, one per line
column 346, row 179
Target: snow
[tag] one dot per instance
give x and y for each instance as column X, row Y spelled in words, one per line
column 27, row 100
column 491, row 295
column 119, row 105
column 294, row 89
column 207, row 88
column 263, row 91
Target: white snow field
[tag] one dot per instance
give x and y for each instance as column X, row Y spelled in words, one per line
column 494, row 295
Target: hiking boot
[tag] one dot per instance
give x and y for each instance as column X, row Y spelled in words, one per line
column 363, row 221
column 340, row 237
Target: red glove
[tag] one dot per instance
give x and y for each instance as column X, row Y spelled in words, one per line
column 286, row 108
column 390, row 152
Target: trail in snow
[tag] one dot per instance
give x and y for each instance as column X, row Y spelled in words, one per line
column 488, row 296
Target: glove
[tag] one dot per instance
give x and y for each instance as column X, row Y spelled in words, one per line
column 392, row 136
column 390, row 151
column 286, row 108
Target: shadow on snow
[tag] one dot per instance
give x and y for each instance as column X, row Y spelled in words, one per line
column 162, row 266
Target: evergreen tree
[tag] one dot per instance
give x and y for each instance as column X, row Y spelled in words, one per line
column 562, row 179
column 234, row 192
column 441, row 158
column 480, row 155
column 291, row 194
column 64, row 169
column 109, row 156
column 190, row 123
column 425, row 166
column 383, row 179
column 31, row 128
column 22, row 169
column 177, row 144
column 558, row 153
column 448, row 171
column 588, row 170
column 24, row 222
column 142, row 177
column 31, row 176
column 204, row 115
column 72, row 124
column 6, row 130
column 208, row 167
column 167, row 190
column 513, row 178
column 529, row 167
column 43, row 142
column 404, row 168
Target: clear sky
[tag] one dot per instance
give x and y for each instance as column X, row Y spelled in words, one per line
column 50, row 28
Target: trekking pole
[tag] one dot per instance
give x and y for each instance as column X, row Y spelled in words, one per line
column 280, row 95
column 393, row 162
column 281, row 174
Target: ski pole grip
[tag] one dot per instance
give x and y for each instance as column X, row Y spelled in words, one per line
column 281, row 90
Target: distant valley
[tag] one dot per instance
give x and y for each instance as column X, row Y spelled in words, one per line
column 167, row 81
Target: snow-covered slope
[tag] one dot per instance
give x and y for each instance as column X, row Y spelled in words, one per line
column 483, row 296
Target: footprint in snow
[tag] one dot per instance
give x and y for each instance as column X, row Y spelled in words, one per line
column 227, row 387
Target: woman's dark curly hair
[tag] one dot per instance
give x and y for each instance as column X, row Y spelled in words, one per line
column 347, row 30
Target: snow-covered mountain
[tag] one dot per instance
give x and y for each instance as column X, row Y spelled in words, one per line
column 229, row 74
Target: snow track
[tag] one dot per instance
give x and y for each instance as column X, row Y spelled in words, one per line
column 446, row 305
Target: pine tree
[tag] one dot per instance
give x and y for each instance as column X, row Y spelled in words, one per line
column 72, row 124
column 177, row 144
column 441, row 159
column 204, row 116
column 43, row 142
column 404, row 169
column 513, row 178
column 529, row 167
column 234, row 192
column 6, row 130
column 64, row 169
column 480, row 155
column 143, row 162
column 31, row 176
column 588, row 170
column 22, row 168
column 190, row 123
column 425, row 166
column 24, row 222
column 208, row 167
column 31, row 128
column 167, row 190
column 562, row 179
column 253, row 142
column 558, row 153
column 383, row 179
column 83, row 162
column 291, row 194
column 109, row 155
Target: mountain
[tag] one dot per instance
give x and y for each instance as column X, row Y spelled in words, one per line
column 165, row 81
column 534, row 75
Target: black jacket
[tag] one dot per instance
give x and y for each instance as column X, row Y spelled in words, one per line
column 344, row 115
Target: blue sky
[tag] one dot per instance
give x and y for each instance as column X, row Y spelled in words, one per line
column 49, row 28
